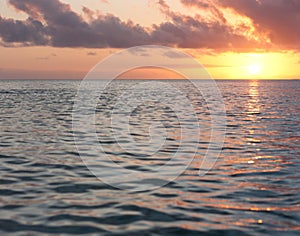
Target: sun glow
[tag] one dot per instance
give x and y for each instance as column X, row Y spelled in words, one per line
column 254, row 69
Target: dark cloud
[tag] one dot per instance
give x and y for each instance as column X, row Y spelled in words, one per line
column 189, row 32
column 46, row 57
column 274, row 20
column 91, row 53
column 119, row 34
column 90, row 14
column 137, row 50
column 173, row 54
column 207, row 5
column 29, row 31
column 62, row 27
column 278, row 18
column 164, row 7
column 55, row 24
column 196, row 3
column 196, row 32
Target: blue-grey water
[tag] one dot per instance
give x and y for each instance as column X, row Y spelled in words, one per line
column 253, row 189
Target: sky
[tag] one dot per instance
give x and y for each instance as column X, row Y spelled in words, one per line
column 233, row 39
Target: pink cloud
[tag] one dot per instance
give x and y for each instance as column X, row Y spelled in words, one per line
column 55, row 24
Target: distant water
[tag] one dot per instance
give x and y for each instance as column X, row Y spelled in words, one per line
column 254, row 188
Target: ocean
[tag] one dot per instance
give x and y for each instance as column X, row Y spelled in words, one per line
column 253, row 188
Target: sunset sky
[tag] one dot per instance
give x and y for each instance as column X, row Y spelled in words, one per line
column 234, row 39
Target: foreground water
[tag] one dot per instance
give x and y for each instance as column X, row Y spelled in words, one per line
column 252, row 190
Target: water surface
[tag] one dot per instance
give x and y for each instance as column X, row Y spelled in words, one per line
column 253, row 189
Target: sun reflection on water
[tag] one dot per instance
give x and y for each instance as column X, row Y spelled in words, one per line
column 253, row 106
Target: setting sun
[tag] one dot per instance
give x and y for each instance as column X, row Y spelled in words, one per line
column 254, row 69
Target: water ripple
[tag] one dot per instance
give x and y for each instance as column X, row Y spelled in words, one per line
column 45, row 188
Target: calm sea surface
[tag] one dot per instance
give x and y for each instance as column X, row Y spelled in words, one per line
column 254, row 188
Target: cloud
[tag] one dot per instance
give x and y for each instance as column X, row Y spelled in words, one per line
column 278, row 18
column 189, row 32
column 54, row 23
column 173, row 54
column 143, row 52
column 46, row 57
column 119, row 34
column 91, row 53
column 209, row 6
column 28, row 31
column 62, row 27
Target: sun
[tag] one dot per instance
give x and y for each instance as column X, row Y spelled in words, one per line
column 254, row 69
